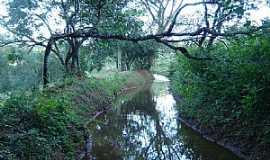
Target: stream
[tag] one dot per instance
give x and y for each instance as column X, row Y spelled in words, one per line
column 144, row 125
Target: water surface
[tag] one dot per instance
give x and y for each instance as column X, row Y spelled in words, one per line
column 145, row 126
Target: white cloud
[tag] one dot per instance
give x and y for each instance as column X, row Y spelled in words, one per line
column 3, row 9
column 260, row 14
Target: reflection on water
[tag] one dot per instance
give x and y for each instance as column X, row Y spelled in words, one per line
column 146, row 127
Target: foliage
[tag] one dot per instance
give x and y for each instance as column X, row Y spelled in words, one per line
column 134, row 56
column 138, row 56
column 37, row 126
column 22, row 71
column 233, row 86
column 231, row 92
column 163, row 61
column 48, row 125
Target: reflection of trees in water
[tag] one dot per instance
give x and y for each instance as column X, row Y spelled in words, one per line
column 136, row 133
column 138, row 118
column 147, row 130
column 141, row 132
column 197, row 148
column 142, row 102
column 106, row 134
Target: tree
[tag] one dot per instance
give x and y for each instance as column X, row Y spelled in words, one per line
column 92, row 20
column 211, row 16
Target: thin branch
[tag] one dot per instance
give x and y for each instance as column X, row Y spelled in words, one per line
column 182, row 50
column 178, row 11
column 203, row 38
column 45, row 22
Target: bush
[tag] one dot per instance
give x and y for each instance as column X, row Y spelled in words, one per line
column 230, row 92
column 49, row 125
column 36, row 127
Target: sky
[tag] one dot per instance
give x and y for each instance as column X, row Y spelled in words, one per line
column 263, row 12
column 2, row 7
column 3, row 12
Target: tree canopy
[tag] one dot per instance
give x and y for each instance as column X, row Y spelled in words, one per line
column 73, row 23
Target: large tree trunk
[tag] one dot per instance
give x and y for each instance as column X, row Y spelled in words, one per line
column 72, row 62
column 75, row 64
column 45, row 63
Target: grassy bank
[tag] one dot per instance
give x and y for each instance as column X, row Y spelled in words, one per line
column 50, row 124
column 228, row 97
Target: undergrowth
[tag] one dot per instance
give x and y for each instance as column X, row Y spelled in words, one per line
column 229, row 94
column 48, row 124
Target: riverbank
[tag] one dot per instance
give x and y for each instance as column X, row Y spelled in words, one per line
column 239, row 147
column 227, row 98
column 53, row 124
column 242, row 147
column 208, row 133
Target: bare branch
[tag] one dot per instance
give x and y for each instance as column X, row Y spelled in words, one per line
column 178, row 11
column 45, row 22
column 183, row 50
column 203, row 38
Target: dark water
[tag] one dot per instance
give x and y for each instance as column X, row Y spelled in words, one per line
column 145, row 126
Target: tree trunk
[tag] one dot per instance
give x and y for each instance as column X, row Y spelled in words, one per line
column 45, row 63
column 73, row 56
column 119, row 59
column 75, row 67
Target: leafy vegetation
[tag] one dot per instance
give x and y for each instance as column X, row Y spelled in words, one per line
column 50, row 124
column 60, row 62
column 229, row 94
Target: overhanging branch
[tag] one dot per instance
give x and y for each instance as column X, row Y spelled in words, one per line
column 183, row 50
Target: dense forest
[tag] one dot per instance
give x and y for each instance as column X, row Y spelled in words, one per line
column 78, row 79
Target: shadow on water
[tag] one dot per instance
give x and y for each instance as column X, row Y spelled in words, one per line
column 145, row 126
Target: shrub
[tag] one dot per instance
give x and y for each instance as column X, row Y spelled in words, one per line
column 36, row 127
column 230, row 92
column 49, row 125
